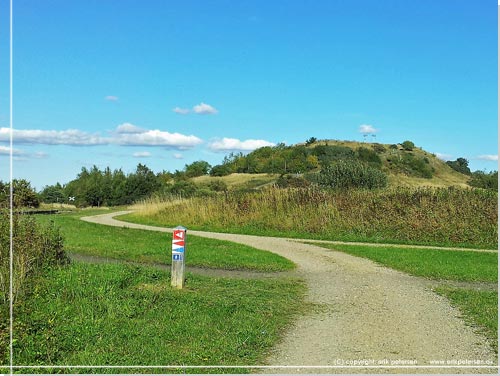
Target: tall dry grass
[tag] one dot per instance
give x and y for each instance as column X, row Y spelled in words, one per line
column 449, row 216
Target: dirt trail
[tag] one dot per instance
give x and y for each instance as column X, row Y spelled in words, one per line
column 365, row 314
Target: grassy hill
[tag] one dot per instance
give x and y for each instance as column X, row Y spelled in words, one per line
column 442, row 175
column 407, row 168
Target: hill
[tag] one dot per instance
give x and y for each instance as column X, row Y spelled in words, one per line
column 404, row 164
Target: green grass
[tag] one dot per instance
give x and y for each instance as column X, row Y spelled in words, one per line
column 437, row 264
column 480, row 309
column 155, row 247
column 109, row 314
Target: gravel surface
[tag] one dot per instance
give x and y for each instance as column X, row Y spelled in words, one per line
column 364, row 314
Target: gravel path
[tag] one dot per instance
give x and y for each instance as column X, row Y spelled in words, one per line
column 364, row 314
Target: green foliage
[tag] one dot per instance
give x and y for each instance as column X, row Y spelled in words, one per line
column 221, row 170
column 183, row 188
column 369, row 156
column 351, row 174
column 52, row 194
column 484, row 180
column 461, row 165
column 23, row 195
column 34, row 247
column 311, row 141
column 411, row 165
column 379, row 148
column 327, row 154
column 408, row 145
column 198, row 168
column 291, row 181
column 217, row 185
column 97, row 188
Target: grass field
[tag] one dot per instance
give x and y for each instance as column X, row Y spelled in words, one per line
column 155, row 247
column 104, row 314
column 122, row 314
column 479, row 306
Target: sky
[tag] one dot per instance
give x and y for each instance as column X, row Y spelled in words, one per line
column 166, row 83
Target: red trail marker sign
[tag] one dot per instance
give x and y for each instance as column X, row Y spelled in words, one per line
column 178, row 257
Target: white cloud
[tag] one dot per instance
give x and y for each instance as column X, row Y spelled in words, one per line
column 73, row 137
column 142, row 154
column 487, row 157
column 111, row 98
column 443, row 157
column 178, row 156
column 367, row 129
column 129, row 128
column 181, row 111
column 204, row 109
column 158, row 138
column 125, row 134
column 228, row 144
column 5, row 150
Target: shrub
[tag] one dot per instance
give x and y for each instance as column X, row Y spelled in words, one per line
column 291, row 181
column 483, row 180
column 221, row 170
column 379, row 148
column 351, row 174
column 35, row 247
column 217, row 185
column 408, row 145
column 369, row 156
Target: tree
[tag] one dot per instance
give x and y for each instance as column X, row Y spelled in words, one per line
column 311, row 141
column 408, row 145
column 461, row 165
column 220, row 170
column 23, row 195
column 52, row 194
column 198, row 168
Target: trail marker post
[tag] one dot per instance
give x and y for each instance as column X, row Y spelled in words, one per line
column 178, row 256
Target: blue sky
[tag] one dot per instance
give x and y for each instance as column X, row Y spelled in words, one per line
column 166, row 83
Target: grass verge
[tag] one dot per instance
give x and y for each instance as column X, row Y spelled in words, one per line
column 108, row 314
column 155, row 247
column 437, row 264
column 479, row 308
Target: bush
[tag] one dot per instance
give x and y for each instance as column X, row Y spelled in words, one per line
column 369, row 156
column 379, row 148
column 217, row 185
column 290, row 181
column 408, row 145
column 35, row 247
column 351, row 174
column 221, row 170
column 483, row 180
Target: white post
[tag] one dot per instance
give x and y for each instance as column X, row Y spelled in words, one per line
column 178, row 256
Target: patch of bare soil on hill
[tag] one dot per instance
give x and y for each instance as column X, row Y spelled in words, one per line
column 370, row 318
